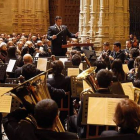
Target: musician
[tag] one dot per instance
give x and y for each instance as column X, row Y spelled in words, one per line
column 128, row 49
column 117, row 53
column 59, row 80
column 42, row 126
column 126, row 117
column 104, row 80
column 57, row 34
column 28, row 69
column 76, row 60
column 106, row 51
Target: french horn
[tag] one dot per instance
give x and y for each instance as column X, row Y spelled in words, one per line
column 32, row 91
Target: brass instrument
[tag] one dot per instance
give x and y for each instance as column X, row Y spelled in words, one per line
column 88, row 76
column 32, row 91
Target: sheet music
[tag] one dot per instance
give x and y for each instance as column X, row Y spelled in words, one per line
column 96, row 116
column 101, row 110
column 5, row 103
column 128, row 90
column 10, row 65
column 125, row 68
column 73, row 71
column 63, row 60
column 42, row 64
column 4, row 90
column 110, row 110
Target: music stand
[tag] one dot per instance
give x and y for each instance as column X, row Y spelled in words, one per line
column 78, row 45
column 85, row 109
column 76, row 87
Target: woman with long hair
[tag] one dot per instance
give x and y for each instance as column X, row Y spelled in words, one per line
column 118, row 71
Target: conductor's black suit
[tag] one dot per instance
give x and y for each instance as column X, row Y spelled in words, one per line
column 56, row 48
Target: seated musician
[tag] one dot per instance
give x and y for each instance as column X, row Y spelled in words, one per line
column 59, row 80
column 127, row 50
column 117, row 53
column 104, row 80
column 20, row 125
column 106, row 51
column 76, row 60
column 26, row 68
column 126, row 117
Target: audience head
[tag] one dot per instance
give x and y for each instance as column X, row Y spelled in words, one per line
column 134, row 53
column 27, row 58
column 104, row 78
column 117, row 46
column 74, row 41
column 127, row 114
column 100, row 65
column 136, row 83
column 12, row 52
column 20, row 45
column 137, row 62
column 28, row 44
column 39, row 43
column 76, row 60
column 128, row 44
column 28, row 71
column 57, row 67
column 24, row 51
column 3, row 46
column 46, row 112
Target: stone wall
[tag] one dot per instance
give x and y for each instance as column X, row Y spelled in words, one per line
column 104, row 20
column 24, row 16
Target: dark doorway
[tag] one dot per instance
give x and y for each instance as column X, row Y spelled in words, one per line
column 135, row 17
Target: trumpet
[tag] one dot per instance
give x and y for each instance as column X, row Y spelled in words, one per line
column 32, row 91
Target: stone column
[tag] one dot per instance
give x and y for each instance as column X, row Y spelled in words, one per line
column 107, row 20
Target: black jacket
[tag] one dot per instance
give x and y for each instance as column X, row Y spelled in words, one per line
column 60, row 40
column 19, row 128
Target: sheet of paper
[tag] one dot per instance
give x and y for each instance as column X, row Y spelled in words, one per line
column 125, row 68
column 85, row 85
column 37, row 55
column 96, row 111
column 63, row 60
column 81, row 66
column 128, row 90
column 4, row 90
column 10, row 65
column 111, row 104
column 101, row 110
column 42, row 64
column 73, row 71
column 5, row 103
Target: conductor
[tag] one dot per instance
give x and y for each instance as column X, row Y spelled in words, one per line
column 57, row 34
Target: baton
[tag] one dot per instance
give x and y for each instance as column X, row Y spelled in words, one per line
column 60, row 32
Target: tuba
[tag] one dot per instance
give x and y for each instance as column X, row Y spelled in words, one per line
column 89, row 76
column 32, row 91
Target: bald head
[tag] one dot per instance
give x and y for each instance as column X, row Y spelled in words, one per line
column 27, row 58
